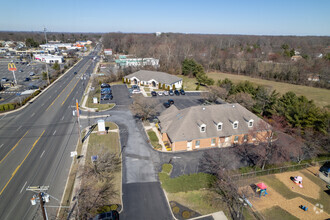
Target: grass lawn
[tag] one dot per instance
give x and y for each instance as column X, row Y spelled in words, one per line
column 320, row 96
column 190, row 84
column 109, row 142
column 98, row 106
column 277, row 212
column 199, row 201
column 153, row 139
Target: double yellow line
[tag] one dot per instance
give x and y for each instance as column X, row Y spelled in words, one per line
column 19, row 166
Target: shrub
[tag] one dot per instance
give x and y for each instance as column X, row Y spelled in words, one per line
column 152, row 136
column 176, row 210
column 186, row 214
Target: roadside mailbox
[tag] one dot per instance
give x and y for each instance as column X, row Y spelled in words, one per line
column 95, row 100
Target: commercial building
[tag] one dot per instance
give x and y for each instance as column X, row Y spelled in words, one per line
column 47, row 58
column 107, row 51
column 154, row 78
column 211, row 126
column 135, row 62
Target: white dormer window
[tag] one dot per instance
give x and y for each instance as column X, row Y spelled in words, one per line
column 250, row 123
column 219, row 126
column 203, row 128
column 235, row 124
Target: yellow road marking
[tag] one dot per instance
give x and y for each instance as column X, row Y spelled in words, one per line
column 19, row 166
column 14, row 146
column 59, row 94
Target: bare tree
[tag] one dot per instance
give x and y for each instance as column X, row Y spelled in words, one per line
column 214, row 93
column 144, row 108
column 220, row 165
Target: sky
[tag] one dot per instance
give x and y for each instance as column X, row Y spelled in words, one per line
column 253, row 17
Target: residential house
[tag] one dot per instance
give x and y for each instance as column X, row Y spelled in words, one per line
column 154, row 78
column 296, row 57
column 123, row 61
column 211, row 126
column 313, row 78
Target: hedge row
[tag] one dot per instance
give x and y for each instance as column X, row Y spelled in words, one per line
column 12, row 106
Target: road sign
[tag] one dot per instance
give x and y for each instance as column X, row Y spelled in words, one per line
column 12, row 67
column 73, row 153
column 18, row 94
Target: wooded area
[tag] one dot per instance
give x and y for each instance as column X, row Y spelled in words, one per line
column 267, row 57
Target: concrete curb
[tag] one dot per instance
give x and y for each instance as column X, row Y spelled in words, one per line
column 34, row 98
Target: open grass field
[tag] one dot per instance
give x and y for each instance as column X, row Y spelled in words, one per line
column 285, row 197
column 320, row 96
column 107, row 142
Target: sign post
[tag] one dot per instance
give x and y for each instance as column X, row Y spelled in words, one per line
column 12, row 67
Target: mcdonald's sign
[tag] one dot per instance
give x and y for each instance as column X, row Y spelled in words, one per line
column 11, row 67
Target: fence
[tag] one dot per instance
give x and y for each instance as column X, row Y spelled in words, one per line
column 276, row 170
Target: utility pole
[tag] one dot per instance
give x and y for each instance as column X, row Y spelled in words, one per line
column 45, row 60
column 42, row 197
column 45, row 34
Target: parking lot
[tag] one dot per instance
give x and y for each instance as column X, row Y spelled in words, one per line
column 23, row 71
column 120, row 96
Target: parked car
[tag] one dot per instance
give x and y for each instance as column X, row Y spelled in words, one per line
column 4, row 79
column 136, row 91
column 33, row 87
column 113, row 215
column 165, row 93
column 182, row 92
column 75, row 73
column 21, row 71
column 153, row 93
column 167, row 104
column 106, row 97
column 171, row 101
column 27, row 79
column 135, row 87
column 160, row 93
column 176, row 92
column 171, row 93
column 106, row 91
column 105, row 85
column 32, row 74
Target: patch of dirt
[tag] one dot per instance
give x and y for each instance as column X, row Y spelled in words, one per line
column 309, row 189
column 314, row 170
column 271, row 199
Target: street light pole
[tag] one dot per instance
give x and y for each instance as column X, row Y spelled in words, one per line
column 47, row 73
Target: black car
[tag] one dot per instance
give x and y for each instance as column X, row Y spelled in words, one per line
column 153, row 93
column 106, row 91
column 105, row 85
column 176, row 92
column 106, row 97
column 182, row 92
column 171, row 93
column 171, row 101
column 75, row 73
column 167, row 104
column 113, row 215
column 27, row 79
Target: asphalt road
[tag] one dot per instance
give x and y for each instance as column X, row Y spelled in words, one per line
column 35, row 146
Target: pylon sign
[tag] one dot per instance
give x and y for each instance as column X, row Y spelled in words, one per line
column 12, row 67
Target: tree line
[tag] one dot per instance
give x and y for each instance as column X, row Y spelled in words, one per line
column 267, row 57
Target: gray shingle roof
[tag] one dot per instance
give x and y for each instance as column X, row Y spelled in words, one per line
column 146, row 75
column 181, row 125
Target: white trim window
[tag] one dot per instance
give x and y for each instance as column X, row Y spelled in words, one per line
column 236, row 139
column 213, row 142
column 250, row 123
column 203, row 128
column 235, row 125
column 219, row 126
column 197, row 143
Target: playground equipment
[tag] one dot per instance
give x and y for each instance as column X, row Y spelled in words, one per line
column 298, row 180
column 305, row 208
column 262, row 189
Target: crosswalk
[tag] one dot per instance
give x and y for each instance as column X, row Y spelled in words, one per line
column 9, row 92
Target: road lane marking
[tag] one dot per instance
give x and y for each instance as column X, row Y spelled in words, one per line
column 14, row 146
column 54, row 132
column 70, row 92
column 23, row 188
column 62, row 118
column 1, row 145
column 33, row 114
column 19, row 128
column 43, row 104
column 42, row 154
column 17, row 168
column 3, row 116
column 59, row 94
